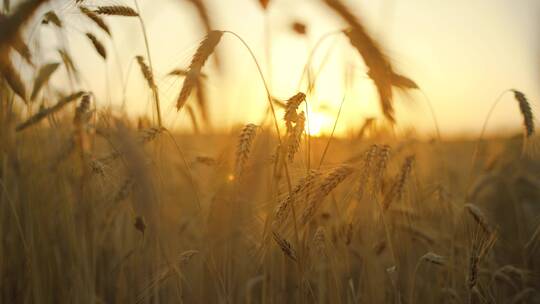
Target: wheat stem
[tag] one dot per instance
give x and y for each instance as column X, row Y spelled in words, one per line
column 331, row 134
column 147, row 45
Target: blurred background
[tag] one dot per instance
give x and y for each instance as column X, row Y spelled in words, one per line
column 462, row 54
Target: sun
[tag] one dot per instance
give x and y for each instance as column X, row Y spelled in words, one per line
column 319, row 124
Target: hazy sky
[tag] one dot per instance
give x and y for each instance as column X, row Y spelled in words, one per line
column 463, row 53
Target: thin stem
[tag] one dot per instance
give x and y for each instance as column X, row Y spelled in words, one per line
column 477, row 145
column 433, row 116
column 312, row 53
column 331, row 134
column 269, row 97
column 190, row 174
column 145, row 35
column 413, row 281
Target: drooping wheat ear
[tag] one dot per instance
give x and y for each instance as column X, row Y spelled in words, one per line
column 12, row 78
column 285, row 246
column 431, row 258
column 332, row 180
column 48, row 111
column 396, row 191
column 116, row 10
column 319, row 241
column 479, row 217
column 380, row 68
column 96, row 19
column 145, row 70
column 100, row 48
column 526, row 112
column 247, row 136
column 52, row 17
column 44, row 74
column 291, row 107
column 367, row 167
column 295, row 138
column 302, row 190
column 206, row 48
column 505, row 278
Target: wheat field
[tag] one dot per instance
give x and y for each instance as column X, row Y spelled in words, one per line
column 99, row 206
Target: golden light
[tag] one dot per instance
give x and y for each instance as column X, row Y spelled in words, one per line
column 319, row 124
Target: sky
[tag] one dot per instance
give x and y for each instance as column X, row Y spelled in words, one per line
column 462, row 53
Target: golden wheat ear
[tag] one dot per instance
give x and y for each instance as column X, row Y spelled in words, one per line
column 43, row 77
column 205, row 49
column 247, row 137
column 116, row 10
column 526, row 112
column 401, row 81
column 12, row 78
column 98, row 46
column 96, row 19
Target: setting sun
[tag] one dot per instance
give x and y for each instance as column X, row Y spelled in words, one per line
column 319, row 124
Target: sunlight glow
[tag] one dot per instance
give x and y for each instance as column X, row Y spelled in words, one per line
column 319, row 124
